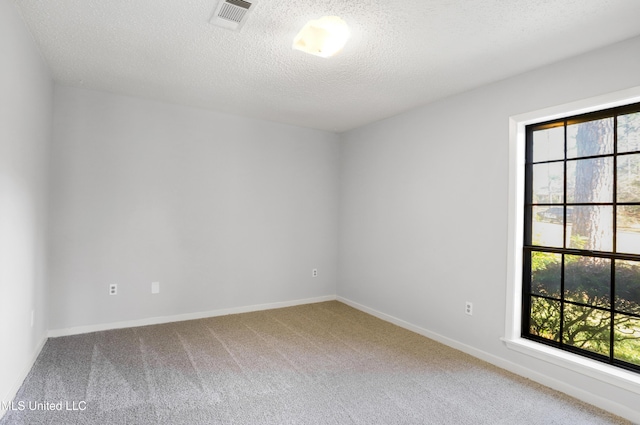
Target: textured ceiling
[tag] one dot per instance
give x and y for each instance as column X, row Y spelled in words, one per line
column 402, row 53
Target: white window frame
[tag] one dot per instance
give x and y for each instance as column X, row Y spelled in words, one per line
column 512, row 336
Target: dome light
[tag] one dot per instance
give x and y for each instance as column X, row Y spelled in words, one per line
column 322, row 37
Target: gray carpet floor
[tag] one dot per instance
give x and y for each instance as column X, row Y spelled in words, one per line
column 324, row 363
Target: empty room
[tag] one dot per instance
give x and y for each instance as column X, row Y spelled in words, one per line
column 332, row 212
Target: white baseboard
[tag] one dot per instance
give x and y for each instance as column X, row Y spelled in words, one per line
column 13, row 390
column 579, row 393
column 54, row 333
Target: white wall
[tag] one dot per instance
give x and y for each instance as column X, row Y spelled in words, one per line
column 423, row 208
column 222, row 210
column 25, row 127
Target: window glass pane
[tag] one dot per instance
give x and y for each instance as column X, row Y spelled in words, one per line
column 626, row 337
column 548, row 184
column 628, row 286
column 628, row 178
column 550, row 214
column 591, row 228
column 629, row 132
column 546, row 270
column 590, row 138
column 587, row 280
column 548, row 144
column 590, row 180
column 545, row 318
column 586, row 328
column 628, row 223
column 547, row 229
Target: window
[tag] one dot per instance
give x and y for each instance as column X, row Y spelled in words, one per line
column 581, row 256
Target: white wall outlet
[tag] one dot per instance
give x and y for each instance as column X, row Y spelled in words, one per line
column 155, row 287
column 113, row 289
column 468, row 308
column 314, row 273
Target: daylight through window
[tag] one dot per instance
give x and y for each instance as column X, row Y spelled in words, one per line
column 581, row 259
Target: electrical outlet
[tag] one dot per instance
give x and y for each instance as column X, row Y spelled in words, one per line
column 468, row 308
column 314, row 273
column 155, row 287
column 113, row 289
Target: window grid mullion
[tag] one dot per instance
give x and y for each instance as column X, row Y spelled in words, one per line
column 564, row 238
column 615, row 242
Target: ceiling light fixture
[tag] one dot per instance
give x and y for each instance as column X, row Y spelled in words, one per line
column 322, row 37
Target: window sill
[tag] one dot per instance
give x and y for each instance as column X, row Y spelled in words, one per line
column 621, row 378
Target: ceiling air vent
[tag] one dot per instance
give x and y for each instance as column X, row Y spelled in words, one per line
column 231, row 14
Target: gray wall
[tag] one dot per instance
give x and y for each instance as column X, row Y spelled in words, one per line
column 25, row 127
column 423, row 205
column 222, row 210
